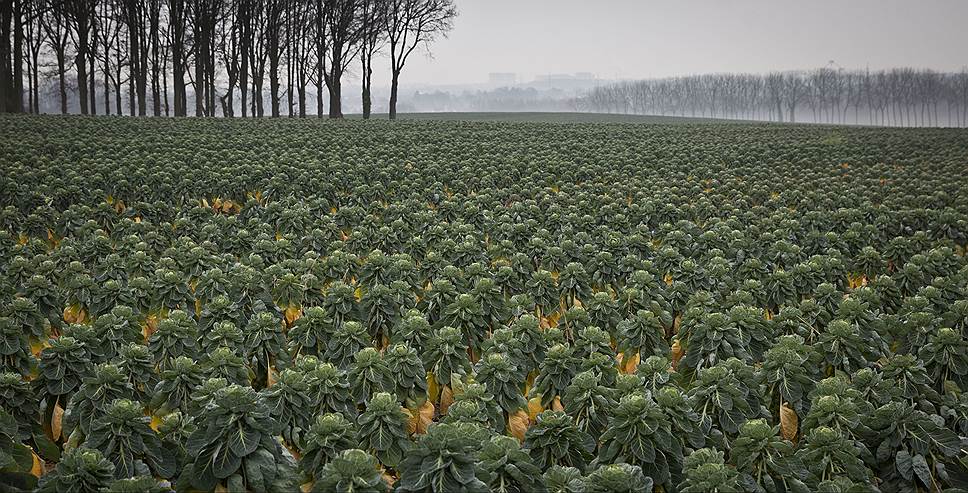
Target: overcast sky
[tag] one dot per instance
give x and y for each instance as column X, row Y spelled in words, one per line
column 656, row 38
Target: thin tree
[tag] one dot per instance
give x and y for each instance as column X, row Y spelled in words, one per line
column 409, row 24
column 345, row 27
column 372, row 15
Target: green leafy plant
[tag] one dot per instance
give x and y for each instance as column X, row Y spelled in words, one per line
column 616, row 478
column 16, row 459
column 352, row 470
column 509, row 468
column 555, row 440
column 368, row 375
column 705, row 470
column 554, row 374
column 291, row 404
column 588, row 403
column 383, row 430
column 765, row 461
column 176, row 336
column 639, row 433
column 122, row 434
column 828, row 455
column 80, row 470
column 442, row 460
column 329, row 435
column 234, row 445
column 913, row 447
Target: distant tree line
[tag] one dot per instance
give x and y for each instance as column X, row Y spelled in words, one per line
column 896, row 97
column 224, row 57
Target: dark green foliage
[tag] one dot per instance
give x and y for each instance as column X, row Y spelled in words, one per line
column 176, row 336
column 368, row 375
column 555, row 440
column 705, row 470
column 444, row 460
column 14, row 348
column 554, row 374
column 407, row 375
column 639, row 433
column 588, row 403
column 62, row 366
column 827, row 454
column 176, row 386
column 291, row 404
column 764, row 461
column 122, row 434
column 750, row 270
column 616, row 478
column 97, row 394
column 446, row 355
column 16, row 459
column 80, row 470
column 234, row 445
column 383, row 429
column 509, row 469
column 352, row 470
column 503, row 381
column 329, row 435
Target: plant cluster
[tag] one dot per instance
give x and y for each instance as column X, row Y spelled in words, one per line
column 216, row 305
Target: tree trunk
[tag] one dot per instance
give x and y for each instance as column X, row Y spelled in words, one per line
column 6, row 68
column 36, row 84
column 367, row 77
column 62, row 80
column 17, row 99
column 80, row 62
column 274, row 83
column 394, row 85
column 93, row 82
column 155, row 22
column 335, row 98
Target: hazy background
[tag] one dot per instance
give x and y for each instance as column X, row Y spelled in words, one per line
column 631, row 39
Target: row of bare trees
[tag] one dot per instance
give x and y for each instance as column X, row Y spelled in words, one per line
column 896, row 97
column 157, row 57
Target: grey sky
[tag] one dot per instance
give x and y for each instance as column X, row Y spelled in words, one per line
column 655, row 38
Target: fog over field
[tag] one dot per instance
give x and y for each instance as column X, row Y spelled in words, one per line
column 635, row 39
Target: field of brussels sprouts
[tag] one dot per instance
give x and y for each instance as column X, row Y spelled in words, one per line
column 276, row 305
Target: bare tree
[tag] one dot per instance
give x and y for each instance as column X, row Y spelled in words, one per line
column 371, row 40
column 409, row 24
column 178, row 37
column 11, row 55
column 34, row 33
column 80, row 14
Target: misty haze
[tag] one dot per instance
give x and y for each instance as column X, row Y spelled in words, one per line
column 435, row 246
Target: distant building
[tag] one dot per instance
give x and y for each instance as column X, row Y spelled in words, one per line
column 566, row 78
column 502, row 78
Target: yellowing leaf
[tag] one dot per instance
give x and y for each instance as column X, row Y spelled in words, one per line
column 446, row 399
column 534, row 408
column 556, row 404
column 56, row 421
column 676, row 353
column 518, row 423
column 433, row 390
column 270, row 376
column 411, row 420
column 425, row 416
column 292, row 314
column 629, row 366
column 788, row 422
column 37, row 468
